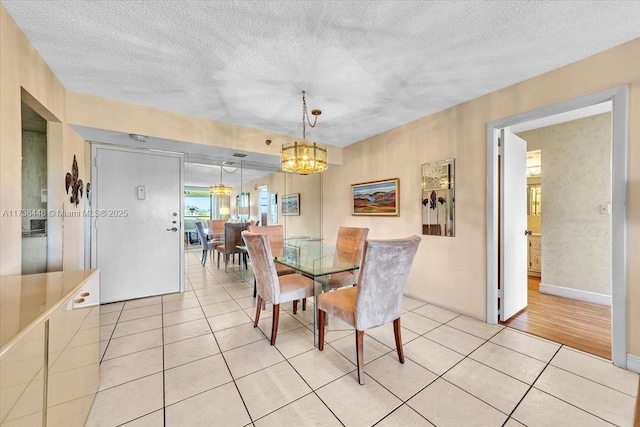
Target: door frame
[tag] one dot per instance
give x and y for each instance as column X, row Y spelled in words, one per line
column 94, row 174
column 619, row 174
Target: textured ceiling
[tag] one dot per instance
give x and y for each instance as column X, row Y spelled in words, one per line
column 370, row 66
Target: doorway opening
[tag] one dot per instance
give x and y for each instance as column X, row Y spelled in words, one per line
column 568, row 194
column 502, row 242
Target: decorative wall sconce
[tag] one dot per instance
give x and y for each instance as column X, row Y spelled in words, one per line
column 71, row 181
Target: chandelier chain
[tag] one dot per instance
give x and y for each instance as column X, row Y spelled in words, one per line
column 305, row 118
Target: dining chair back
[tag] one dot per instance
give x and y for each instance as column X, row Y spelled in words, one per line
column 349, row 248
column 207, row 245
column 377, row 298
column 271, row 287
column 232, row 239
column 216, row 228
column 275, row 235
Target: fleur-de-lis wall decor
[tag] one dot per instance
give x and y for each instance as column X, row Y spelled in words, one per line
column 72, row 181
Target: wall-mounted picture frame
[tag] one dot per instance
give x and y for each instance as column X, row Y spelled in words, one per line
column 378, row 198
column 291, row 204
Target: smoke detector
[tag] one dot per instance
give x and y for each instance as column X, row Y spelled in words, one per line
column 138, row 138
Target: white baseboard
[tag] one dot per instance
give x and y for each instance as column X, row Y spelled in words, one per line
column 633, row 363
column 577, row 294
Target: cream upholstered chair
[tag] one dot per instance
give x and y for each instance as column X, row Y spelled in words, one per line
column 378, row 297
column 349, row 247
column 207, row 245
column 272, row 288
column 275, row 234
column 216, row 228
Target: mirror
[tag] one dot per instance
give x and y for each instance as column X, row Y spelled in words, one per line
column 273, row 208
column 242, row 206
column 533, row 199
column 34, row 191
column 438, row 198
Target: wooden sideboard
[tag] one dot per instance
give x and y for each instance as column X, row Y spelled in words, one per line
column 49, row 348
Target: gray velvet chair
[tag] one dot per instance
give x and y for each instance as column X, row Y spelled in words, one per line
column 275, row 234
column 271, row 287
column 207, row 245
column 377, row 299
column 349, row 247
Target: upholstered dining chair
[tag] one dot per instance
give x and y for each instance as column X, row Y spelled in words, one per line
column 349, row 247
column 271, row 288
column 216, row 228
column 207, row 245
column 232, row 239
column 377, row 299
column 275, row 234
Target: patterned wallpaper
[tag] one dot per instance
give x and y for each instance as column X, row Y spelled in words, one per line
column 576, row 181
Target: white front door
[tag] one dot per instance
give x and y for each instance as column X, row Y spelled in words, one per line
column 138, row 199
column 513, row 224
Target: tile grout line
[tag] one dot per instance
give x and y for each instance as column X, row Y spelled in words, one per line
column 226, row 364
column 556, row 397
column 164, row 379
column 349, row 373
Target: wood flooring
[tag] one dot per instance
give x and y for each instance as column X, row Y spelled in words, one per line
column 578, row 324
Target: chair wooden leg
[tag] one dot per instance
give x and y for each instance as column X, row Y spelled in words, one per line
column 218, row 260
column 274, row 324
column 359, row 355
column 304, row 304
column 295, row 306
column 258, row 310
column 398, row 335
column 321, row 315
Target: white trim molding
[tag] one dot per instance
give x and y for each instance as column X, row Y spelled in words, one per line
column 633, row 363
column 619, row 176
column 576, row 294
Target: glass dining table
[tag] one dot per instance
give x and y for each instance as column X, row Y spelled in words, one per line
column 313, row 259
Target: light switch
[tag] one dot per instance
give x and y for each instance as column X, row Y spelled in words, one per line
column 141, row 192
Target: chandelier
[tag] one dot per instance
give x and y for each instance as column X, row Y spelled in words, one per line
column 220, row 190
column 304, row 157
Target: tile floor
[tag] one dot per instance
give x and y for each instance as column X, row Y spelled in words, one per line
column 194, row 359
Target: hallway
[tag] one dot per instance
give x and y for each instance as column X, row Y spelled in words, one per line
column 577, row 324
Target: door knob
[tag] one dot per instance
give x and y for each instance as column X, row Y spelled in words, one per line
column 174, row 229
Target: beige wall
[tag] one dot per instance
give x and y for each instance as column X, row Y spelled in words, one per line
column 101, row 113
column 25, row 76
column 447, row 271
column 576, row 180
column 452, row 271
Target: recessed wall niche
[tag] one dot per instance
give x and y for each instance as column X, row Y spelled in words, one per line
column 34, row 191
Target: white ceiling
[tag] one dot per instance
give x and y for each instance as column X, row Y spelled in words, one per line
column 369, row 65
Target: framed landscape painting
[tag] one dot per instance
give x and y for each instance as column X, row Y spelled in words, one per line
column 380, row 198
column 291, row 204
